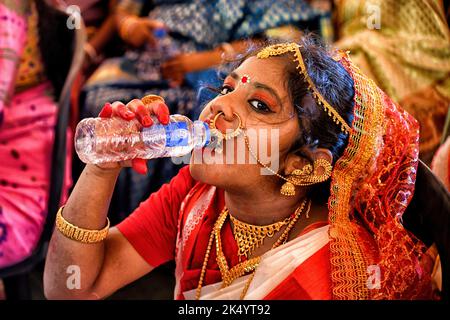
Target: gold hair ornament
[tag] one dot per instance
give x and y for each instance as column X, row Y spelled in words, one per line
column 279, row 49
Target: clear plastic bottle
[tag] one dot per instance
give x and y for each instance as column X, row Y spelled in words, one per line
column 164, row 45
column 100, row 140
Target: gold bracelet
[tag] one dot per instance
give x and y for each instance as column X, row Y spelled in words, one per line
column 79, row 234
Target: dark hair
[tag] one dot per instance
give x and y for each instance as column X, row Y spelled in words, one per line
column 317, row 129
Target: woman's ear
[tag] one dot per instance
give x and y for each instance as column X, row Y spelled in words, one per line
column 322, row 153
column 294, row 161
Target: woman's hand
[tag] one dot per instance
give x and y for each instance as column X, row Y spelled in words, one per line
column 175, row 69
column 138, row 31
column 135, row 109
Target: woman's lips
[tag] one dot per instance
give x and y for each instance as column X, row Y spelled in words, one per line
column 208, row 121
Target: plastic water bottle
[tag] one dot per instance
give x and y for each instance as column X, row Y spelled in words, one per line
column 100, row 140
column 165, row 48
column 164, row 44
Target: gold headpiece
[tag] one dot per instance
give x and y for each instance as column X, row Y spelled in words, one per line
column 279, row 49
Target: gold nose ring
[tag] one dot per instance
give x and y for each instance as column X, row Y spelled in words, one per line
column 225, row 136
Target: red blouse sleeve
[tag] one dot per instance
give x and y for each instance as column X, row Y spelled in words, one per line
column 152, row 227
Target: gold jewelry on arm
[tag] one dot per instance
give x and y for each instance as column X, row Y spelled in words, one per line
column 79, row 234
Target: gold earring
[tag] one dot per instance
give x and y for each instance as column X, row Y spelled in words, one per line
column 305, row 171
column 306, row 176
column 312, row 176
column 288, row 188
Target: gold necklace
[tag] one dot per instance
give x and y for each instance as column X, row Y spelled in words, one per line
column 281, row 240
column 249, row 237
column 228, row 276
column 239, row 270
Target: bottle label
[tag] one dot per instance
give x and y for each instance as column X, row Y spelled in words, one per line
column 177, row 134
column 174, row 134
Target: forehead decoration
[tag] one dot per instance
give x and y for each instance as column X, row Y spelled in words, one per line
column 279, row 49
column 245, row 79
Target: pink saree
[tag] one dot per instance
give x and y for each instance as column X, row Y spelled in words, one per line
column 26, row 142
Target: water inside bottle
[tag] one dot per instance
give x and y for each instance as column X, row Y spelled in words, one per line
column 100, row 140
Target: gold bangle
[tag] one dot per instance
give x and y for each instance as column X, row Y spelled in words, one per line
column 79, row 234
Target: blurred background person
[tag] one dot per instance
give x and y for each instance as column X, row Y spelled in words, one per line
column 99, row 19
column 33, row 69
column 405, row 47
column 102, row 42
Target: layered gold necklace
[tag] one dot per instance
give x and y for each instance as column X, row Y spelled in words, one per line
column 249, row 237
column 228, row 276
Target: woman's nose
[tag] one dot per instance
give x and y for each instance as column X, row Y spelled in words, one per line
column 223, row 113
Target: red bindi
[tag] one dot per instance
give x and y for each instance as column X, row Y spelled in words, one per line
column 245, row 79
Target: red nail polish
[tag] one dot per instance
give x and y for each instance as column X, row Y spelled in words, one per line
column 106, row 110
column 147, row 121
column 165, row 119
column 141, row 167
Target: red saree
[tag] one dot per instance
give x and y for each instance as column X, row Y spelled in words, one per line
column 151, row 229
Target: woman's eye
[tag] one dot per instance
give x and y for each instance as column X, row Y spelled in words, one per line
column 259, row 106
column 225, row 89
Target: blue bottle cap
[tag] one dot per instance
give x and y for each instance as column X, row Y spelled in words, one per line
column 160, row 33
column 208, row 134
column 202, row 128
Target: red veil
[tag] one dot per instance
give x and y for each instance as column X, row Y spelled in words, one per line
column 372, row 184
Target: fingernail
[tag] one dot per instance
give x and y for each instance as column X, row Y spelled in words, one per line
column 106, row 110
column 141, row 167
column 165, row 118
column 147, row 121
column 129, row 114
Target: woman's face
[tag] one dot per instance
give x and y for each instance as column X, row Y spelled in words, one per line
column 256, row 91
